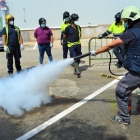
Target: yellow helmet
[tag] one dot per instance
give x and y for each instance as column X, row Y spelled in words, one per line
column 8, row 17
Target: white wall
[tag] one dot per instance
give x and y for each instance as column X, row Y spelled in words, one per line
column 89, row 11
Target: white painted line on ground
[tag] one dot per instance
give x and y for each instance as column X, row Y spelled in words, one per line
column 35, row 46
column 65, row 112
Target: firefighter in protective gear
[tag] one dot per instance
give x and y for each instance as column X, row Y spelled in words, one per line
column 116, row 28
column 13, row 44
column 73, row 35
column 131, row 40
column 66, row 19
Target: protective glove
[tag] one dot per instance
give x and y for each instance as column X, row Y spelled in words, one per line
column 6, row 49
column 100, row 36
column 51, row 45
column 21, row 47
column 92, row 53
column 62, row 42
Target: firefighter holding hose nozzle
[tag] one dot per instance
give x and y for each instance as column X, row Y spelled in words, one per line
column 131, row 40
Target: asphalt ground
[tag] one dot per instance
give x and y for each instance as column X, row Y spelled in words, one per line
column 90, row 121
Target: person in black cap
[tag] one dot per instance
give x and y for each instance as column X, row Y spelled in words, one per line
column 44, row 37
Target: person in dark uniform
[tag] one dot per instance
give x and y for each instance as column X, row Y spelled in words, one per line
column 131, row 40
column 73, row 35
column 13, row 43
column 66, row 18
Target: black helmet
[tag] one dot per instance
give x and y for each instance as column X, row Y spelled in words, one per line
column 74, row 17
column 118, row 16
column 66, row 14
column 42, row 20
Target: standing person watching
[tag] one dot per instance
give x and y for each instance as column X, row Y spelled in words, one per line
column 44, row 37
column 131, row 41
column 73, row 35
column 117, row 28
column 66, row 19
column 13, row 43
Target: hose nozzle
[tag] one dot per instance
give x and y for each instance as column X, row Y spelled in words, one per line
column 81, row 56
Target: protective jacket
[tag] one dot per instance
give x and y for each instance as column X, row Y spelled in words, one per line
column 132, row 60
column 115, row 29
column 63, row 26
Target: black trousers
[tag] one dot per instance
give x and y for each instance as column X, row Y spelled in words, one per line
column 65, row 49
column 75, row 51
column 16, row 54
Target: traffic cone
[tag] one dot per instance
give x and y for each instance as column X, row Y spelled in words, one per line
column 129, row 104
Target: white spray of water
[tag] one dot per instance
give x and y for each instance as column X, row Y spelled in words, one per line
column 27, row 90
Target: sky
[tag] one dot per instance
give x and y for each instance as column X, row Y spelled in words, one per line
column 93, row 12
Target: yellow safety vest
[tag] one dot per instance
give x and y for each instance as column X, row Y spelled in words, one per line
column 18, row 33
column 78, row 42
column 63, row 26
column 117, row 30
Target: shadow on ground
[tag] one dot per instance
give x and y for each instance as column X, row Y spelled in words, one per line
column 75, row 129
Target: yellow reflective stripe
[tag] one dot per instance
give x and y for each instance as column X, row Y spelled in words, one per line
column 17, row 29
column 79, row 32
column 6, row 35
column 74, row 43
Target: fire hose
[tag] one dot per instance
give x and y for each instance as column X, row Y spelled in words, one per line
column 109, row 76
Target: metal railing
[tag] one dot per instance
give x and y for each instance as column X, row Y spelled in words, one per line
column 96, row 43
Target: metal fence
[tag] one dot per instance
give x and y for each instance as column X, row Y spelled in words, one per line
column 96, row 43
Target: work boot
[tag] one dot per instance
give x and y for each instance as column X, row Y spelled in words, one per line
column 77, row 69
column 117, row 119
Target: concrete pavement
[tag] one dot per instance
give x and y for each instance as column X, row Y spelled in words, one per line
column 90, row 121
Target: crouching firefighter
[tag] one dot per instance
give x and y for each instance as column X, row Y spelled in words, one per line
column 73, row 35
column 12, row 42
